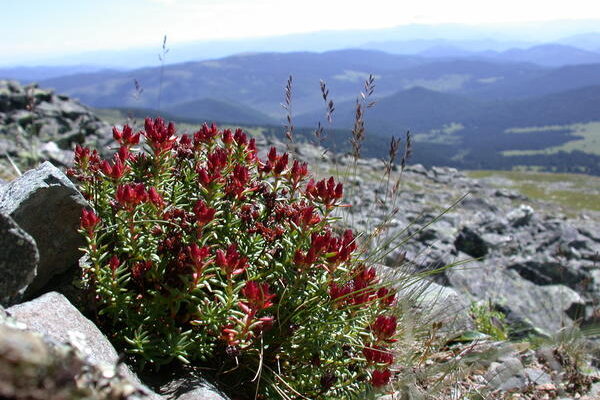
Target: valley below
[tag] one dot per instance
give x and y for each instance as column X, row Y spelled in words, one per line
column 467, row 112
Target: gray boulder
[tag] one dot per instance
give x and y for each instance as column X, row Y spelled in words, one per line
column 58, row 320
column 18, row 260
column 53, row 316
column 543, row 307
column 510, row 374
column 188, row 384
column 45, row 204
column 470, row 242
column 506, row 375
column 36, row 367
column 520, row 216
column 546, row 270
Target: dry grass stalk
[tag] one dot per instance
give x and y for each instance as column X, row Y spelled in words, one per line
column 407, row 151
column 137, row 90
column 362, row 103
column 358, row 131
column 392, row 153
column 390, row 162
column 330, row 108
column 407, row 154
column 328, row 102
column 162, row 56
column 287, row 106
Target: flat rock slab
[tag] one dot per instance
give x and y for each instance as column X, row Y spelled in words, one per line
column 18, row 260
column 53, row 316
column 34, row 368
column 46, row 205
column 544, row 307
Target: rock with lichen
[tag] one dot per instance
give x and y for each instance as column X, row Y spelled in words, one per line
column 35, row 366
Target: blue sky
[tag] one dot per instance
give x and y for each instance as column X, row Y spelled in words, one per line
column 54, row 27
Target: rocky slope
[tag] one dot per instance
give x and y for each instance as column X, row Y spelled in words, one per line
column 533, row 262
column 38, row 124
column 529, row 260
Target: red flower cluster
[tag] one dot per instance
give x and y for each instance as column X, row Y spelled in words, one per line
column 238, row 181
column 160, row 137
column 340, row 294
column 257, row 297
column 126, row 137
column 240, row 138
column 297, row 173
column 325, row 192
column 217, row 160
column 85, row 164
column 139, row 271
column 205, row 134
column 359, row 291
column 335, row 250
column 378, row 354
column 275, row 164
column 227, row 137
column 269, row 234
column 304, row 215
column 89, row 220
column 363, row 283
column 116, row 170
column 341, row 248
column 381, row 377
column 204, row 214
column 155, row 197
column 114, row 263
column 85, row 158
column 198, row 256
column 184, row 148
column 384, row 328
column 231, row 263
column 130, row 195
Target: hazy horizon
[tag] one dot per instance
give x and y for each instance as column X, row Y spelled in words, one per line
column 66, row 32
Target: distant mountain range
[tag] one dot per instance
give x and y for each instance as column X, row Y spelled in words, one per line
column 256, row 81
column 459, row 104
column 551, row 55
column 219, row 110
column 422, row 110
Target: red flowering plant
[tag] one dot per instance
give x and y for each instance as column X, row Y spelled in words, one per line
column 201, row 251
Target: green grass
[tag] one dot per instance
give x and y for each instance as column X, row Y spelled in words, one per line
column 524, row 176
column 573, row 192
column 444, row 135
column 586, row 138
